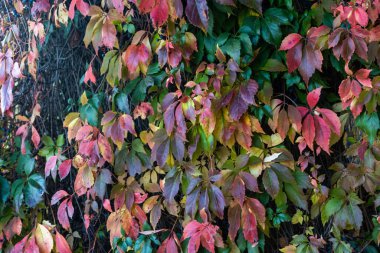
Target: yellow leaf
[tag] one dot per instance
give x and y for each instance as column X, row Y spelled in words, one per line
column 289, row 249
column 44, row 239
column 69, row 118
column 63, row 14
column 83, row 98
column 297, row 217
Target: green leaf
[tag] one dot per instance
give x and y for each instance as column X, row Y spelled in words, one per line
column 25, row 164
column 273, row 65
column 369, row 124
column 333, row 205
column 139, row 93
column 60, row 140
column 17, row 193
column 138, row 146
column 5, row 189
column 122, row 102
column 89, row 113
column 271, row 183
column 34, row 190
column 296, row 195
column 47, row 141
column 246, row 43
column 232, row 48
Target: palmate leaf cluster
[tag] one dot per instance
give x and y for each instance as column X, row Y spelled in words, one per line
column 200, row 126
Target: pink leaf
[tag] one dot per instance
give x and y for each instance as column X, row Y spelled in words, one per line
column 107, row 205
column 322, row 134
column 62, row 215
column 50, row 164
column 82, row 7
column 14, row 227
column 362, row 75
column 6, row 95
column 35, row 137
column 58, row 196
column 64, row 168
column 89, row 75
column 127, row 124
column 108, row 34
column 61, row 243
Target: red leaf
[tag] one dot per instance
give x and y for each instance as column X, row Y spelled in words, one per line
column 50, row 165
column 294, row 57
column 134, row 56
column 160, row 13
column 308, row 131
column 168, row 245
column 249, row 225
column 89, row 75
column 322, row 134
column 290, row 41
column 331, row 119
column 64, row 168
column 146, row 6
column 313, row 97
column 253, row 212
column 311, row 60
column 58, row 196
column 201, row 233
column 234, row 214
column 61, row 243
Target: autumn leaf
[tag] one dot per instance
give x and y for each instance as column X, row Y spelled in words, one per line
column 197, row 13
column 308, row 131
column 61, row 243
column 89, row 75
column 13, row 227
column 44, row 239
column 82, row 7
column 169, row 245
column 64, row 168
column 313, row 97
column 202, row 233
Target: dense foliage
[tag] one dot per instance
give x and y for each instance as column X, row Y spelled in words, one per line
column 169, row 126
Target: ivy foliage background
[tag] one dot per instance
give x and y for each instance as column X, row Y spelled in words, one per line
column 189, row 126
